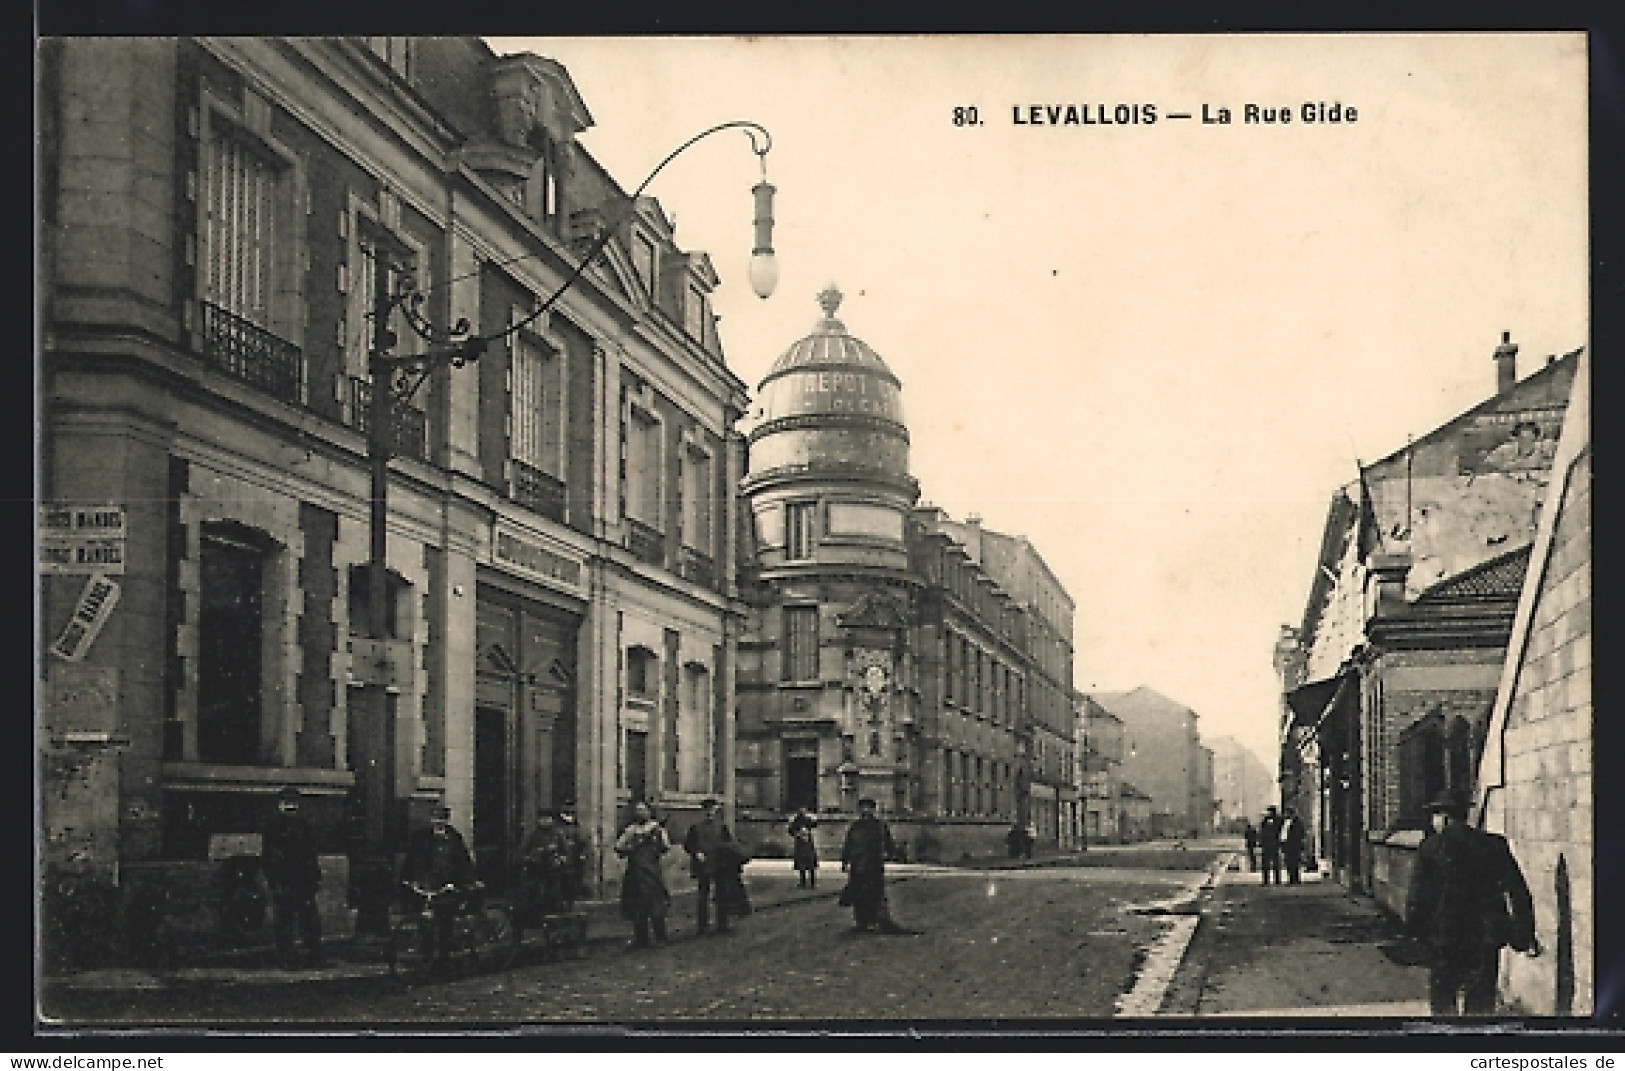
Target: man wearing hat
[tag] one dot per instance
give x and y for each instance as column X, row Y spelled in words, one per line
column 863, row 856
column 1467, row 900
column 435, row 858
column 1269, row 844
column 288, row 860
column 709, row 847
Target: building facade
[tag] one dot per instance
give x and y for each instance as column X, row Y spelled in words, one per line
column 1408, row 621
column 1161, row 759
column 1242, row 785
column 561, row 616
column 882, row 656
column 1099, row 777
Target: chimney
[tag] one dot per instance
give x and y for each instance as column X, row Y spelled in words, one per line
column 1506, row 363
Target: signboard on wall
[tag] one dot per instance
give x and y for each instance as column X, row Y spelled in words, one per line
column 82, row 539
column 95, row 606
column 536, row 558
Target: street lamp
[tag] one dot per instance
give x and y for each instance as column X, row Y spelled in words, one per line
column 395, row 379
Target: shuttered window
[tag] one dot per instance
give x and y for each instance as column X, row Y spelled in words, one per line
column 241, row 228
column 530, row 401
column 801, row 643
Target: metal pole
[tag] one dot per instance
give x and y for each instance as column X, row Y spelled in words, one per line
column 374, row 869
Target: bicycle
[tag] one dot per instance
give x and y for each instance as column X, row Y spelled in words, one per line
column 483, row 932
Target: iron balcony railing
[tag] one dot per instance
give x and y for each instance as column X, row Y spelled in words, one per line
column 646, row 544
column 697, row 567
column 246, row 351
column 411, row 425
column 536, row 490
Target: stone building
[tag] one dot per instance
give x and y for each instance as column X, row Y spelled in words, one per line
column 1242, row 785
column 560, row 615
column 1535, row 778
column 1099, row 777
column 1408, row 619
column 883, row 656
column 1161, row 759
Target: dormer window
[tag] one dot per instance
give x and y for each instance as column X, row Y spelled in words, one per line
column 694, row 314
column 644, row 260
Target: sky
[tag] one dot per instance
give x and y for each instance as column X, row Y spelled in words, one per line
column 1154, row 349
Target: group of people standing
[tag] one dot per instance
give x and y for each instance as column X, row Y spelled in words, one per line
column 1279, row 837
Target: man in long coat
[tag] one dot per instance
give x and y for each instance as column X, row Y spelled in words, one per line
column 863, row 856
column 1467, row 900
column 293, row 873
column 644, row 898
column 1292, row 837
column 435, row 858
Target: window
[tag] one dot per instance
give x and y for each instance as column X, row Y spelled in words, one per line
column 361, row 283
column 644, row 260
column 395, row 51
column 693, row 745
column 243, row 221
column 801, row 643
column 698, row 503
column 799, row 517
column 694, row 314
column 231, row 632
column 536, row 406
column 951, row 652
column 643, row 468
column 640, row 673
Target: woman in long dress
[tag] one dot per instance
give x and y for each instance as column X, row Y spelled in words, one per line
column 644, row 898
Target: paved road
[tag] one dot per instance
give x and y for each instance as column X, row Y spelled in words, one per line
column 1052, row 942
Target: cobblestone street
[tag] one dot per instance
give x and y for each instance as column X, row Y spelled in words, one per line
column 1044, row 942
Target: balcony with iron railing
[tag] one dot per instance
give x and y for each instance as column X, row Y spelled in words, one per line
column 536, row 490
column 646, row 544
column 244, row 350
column 698, row 567
column 411, row 425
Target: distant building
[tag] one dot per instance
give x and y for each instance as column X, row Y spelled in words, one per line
column 1161, row 758
column 889, row 651
column 1242, row 785
column 1100, row 759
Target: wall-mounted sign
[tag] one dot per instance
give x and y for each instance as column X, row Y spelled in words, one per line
column 95, row 605
column 82, row 539
column 525, row 554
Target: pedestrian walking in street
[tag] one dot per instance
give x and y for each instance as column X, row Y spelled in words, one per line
column 863, row 857
column 1269, row 844
column 288, row 861
column 436, row 858
column 804, row 848
column 1292, row 834
column 644, row 899
column 575, row 866
column 704, row 844
column 1249, row 834
column 1467, row 900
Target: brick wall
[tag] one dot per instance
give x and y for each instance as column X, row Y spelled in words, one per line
column 1548, row 799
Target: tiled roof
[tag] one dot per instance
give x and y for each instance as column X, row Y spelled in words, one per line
column 1499, row 577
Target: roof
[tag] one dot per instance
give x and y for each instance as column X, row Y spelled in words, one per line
column 1500, row 577
column 830, row 346
column 1139, row 702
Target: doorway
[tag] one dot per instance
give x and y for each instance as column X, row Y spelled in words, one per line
column 492, row 793
column 800, row 775
column 637, row 764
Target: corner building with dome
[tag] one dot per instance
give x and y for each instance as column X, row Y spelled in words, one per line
column 889, row 651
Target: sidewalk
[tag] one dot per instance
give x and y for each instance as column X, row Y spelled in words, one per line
column 1291, row 951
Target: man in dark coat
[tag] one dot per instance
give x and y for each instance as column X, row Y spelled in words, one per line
column 1467, row 900
column 575, row 840
column 1292, row 835
column 804, row 848
column 704, row 845
column 438, row 857
column 1269, row 843
column 863, row 857
column 1250, row 834
column 288, row 860
column 644, row 898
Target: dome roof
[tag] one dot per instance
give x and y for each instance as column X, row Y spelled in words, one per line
column 829, row 346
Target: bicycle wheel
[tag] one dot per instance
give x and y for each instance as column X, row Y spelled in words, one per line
column 496, row 937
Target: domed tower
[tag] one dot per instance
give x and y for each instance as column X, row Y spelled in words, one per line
column 826, row 696
column 828, row 480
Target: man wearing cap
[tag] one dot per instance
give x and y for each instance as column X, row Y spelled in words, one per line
column 438, row 857
column 706, row 842
column 576, row 854
column 288, row 861
column 1467, row 899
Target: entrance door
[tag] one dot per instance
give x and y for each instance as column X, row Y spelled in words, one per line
column 493, row 796
column 637, row 764
column 801, row 775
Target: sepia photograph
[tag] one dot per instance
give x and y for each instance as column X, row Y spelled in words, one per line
column 1071, row 531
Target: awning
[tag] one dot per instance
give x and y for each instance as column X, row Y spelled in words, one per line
column 1309, row 701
